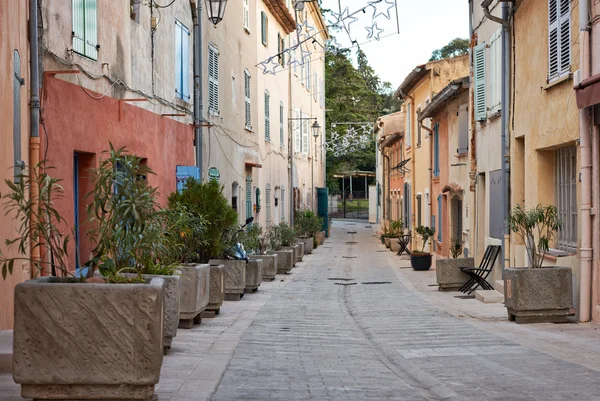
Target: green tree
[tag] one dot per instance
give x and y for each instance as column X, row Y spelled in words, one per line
column 456, row 47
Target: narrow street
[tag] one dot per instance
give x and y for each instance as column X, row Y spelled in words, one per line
column 347, row 324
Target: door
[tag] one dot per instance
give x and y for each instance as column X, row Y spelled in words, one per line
column 76, row 230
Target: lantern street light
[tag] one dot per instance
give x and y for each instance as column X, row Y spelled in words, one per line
column 315, row 129
column 216, row 10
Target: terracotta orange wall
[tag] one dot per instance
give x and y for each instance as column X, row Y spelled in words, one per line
column 438, row 183
column 78, row 123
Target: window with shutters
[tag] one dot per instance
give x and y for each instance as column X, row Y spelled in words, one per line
column 264, row 28
column 18, row 82
column 436, row 150
column 297, row 124
column 408, row 124
column 559, row 39
column 281, row 126
column 565, row 182
column 248, row 196
column 305, row 130
column 85, row 28
column 418, row 129
column 322, row 96
column 247, row 100
column 480, row 85
column 418, row 210
column 213, row 80
column 463, row 129
column 280, row 49
column 495, row 72
column 440, row 221
column 182, row 51
column 246, row 15
column 267, row 116
column 268, row 202
column 282, row 203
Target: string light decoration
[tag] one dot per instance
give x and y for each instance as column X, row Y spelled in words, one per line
column 357, row 136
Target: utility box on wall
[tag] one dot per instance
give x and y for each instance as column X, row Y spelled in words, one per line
column 323, row 209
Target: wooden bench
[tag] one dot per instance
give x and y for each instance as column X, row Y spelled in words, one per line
column 478, row 276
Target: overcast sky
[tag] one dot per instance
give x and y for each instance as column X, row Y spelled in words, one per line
column 425, row 25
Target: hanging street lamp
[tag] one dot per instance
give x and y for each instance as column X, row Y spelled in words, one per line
column 215, row 10
column 315, row 129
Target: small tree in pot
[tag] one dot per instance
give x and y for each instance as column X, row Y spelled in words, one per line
column 448, row 273
column 538, row 293
column 421, row 260
column 307, row 225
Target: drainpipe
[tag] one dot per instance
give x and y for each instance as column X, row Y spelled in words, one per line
column 34, row 108
column 505, row 157
column 586, row 166
column 430, row 131
column 198, row 106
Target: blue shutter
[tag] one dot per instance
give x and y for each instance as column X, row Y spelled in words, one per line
column 258, row 204
column 268, row 202
column 178, row 60
column 183, row 173
column 185, row 67
column 436, row 150
column 248, row 196
column 85, row 28
column 440, row 214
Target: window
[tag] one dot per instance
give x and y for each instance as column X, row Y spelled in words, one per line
column 418, row 210
column 280, row 49
column 297, row 132
column 408, row 124
column 282, row 203
column 457, row 218
column 247, row 99
column 407, row 207
column 233, row 90
column 246, row 15
column 479, row 73
column 182, row 51
column 559, row 39
column 281, row 134
column 463, row 129
column 264, row 27
column 85, row 28
column 213, row 80
column 305, row 130
column 566, row 174
column 267, row 117
column 419, row 128
column 495, row 70
column 436, row 150
column 248, row 196
column 268, row 202
column 440, row 220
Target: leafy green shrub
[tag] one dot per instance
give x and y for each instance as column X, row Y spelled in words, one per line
column 274, row 238
column 456, row 247
column 425, row 233
column 206, row 199
column 251, row 238
column 186, row 233
column 284, row 235
column 307, row 223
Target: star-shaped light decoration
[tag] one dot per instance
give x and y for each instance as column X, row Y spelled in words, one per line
column 304, row 54
column 344, row 18
column 382, row 7
column 270, row 65
column 305, row 27
column 292, row 60
column 373, row 31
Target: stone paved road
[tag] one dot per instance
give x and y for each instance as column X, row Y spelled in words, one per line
column 343, row 327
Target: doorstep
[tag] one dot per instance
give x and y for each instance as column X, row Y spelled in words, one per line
column 6, row 351
column 489, row 296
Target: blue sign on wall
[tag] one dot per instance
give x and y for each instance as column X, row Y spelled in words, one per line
column 184, row 172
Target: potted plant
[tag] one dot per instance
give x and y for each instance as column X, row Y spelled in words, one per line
column 396, row 229
column 250, row 239
column 288, row 240
column 421, row 260
column 447, row 271
column 124, row 312
column 537, row 293
column 269, row 270
column 307, row 224
column 285, row 257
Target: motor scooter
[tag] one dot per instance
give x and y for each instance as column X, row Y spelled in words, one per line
column 238, row 252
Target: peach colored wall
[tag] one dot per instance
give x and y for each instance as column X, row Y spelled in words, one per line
column 78, row 123
column 438, row 183
column 13, row 36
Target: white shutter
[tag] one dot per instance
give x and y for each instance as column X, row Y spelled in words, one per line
column 305, row 129
column 565, row 36
column 247, row 99
column 247, row 14
column 553, row 40
column 213, row 81
column 267, row 117
column 297, row 132
column 495, row 68
column 480, row 85
column 322, row 96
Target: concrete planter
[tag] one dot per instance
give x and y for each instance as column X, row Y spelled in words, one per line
column 104, row 342
column 300, row 245
column 394, row 245
column 234, row 275
column 320, row 237
column 269, row 270
column 285, row 260
column 308, row 244
column 386, row 241
column 254, row 269
column 448, row 274
column 538, row 295
column 170, row 307
column 194, row 295
column 216, row 294
column 296, row 250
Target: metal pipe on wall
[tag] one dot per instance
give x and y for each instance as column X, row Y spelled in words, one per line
column 505, row 158
column 34, row 108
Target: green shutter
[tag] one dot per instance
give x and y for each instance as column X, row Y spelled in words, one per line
column 85, row 28
column 263, row 20
column 480, row 88
column 248, row 197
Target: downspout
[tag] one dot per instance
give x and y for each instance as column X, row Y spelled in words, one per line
column 198, row 106
column 34, row 109
column 586, row 166
column 291, row 149
column 430, row 131
column 473, row 239
column 387, row 180
column 505, row 153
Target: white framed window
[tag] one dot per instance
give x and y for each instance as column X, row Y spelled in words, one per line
column 297, row 124
column 565, row 183
column 213, row 80
column 246, row 15
column 182, row 65
column 85, row 28
column 267, row 116
column 495, row 71
column 247, row 105
column 559, row 39
column 322, row 96
column 305, row 136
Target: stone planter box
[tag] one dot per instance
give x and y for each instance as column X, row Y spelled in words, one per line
column 254, row 269
column 394, row 245
column 300, row 255
column 104, row 341
column 448, row 274
column 170, row 307
column 234, row 277
column 538, row 295
column 320, row 237
column 309, row 243
column 285, row 260
column 216, row 294
column 269, row 270
column 386, row 241
column 296, row 250
column 194, row 294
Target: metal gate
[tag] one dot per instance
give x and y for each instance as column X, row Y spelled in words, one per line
column 350, row 205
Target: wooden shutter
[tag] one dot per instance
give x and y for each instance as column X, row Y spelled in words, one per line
column 267, row 117
column 436, row 150
column 315, row 87
column 247, row 99
column 178, row 61
column 17, row 83
column 213, row 80
column 463, row 129
column 495, row 69
column 246, row 15
column 282, row 203
column 185, row 62
column 480, row 88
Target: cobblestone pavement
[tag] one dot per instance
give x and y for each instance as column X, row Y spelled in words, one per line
column 351, row 323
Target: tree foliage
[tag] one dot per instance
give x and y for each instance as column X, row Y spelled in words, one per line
column 353, row 94
column 456, row 47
